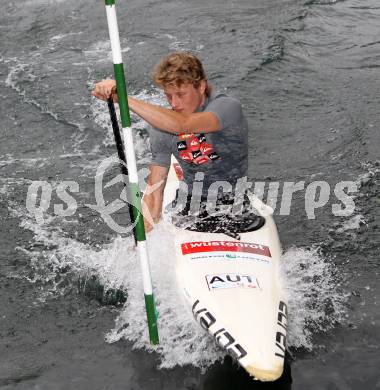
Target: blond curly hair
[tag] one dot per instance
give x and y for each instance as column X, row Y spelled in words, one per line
column 180, row 68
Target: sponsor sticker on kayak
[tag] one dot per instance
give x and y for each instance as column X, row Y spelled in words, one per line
column 223, row 281
column 237, row 247
column 222, row 336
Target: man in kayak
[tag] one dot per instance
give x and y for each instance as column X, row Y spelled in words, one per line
column 205, row 130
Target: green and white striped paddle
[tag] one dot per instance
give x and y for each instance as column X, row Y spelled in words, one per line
column 134, row 196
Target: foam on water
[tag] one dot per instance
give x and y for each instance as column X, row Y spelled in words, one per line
column 37, row 3
column 8, row 184
column 60, row 37
column 352, row 224
column 315, row 299
column 24, row 77
column 27, row 162
column 182, row 341
column 315, row 304
column 100, row 51
column 22, row 72
column 62, row 252
column 176, row 44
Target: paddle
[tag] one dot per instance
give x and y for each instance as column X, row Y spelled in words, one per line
column 128, row 156
column 120, row 152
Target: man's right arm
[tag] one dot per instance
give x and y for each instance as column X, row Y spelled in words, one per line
column 162, row 118
column 154, row 195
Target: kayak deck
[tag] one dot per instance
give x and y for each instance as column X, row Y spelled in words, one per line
column 228, row 273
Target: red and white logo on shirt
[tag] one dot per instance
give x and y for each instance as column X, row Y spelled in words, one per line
column 194, row 149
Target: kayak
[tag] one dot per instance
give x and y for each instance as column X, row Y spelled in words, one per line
column 232, row 285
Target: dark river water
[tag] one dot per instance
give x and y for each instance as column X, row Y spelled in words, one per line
column 308, row 75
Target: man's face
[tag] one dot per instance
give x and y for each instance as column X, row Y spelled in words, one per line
column 186, row 98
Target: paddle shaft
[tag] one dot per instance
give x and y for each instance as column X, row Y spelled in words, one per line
column 134, row 195
column 120, row 152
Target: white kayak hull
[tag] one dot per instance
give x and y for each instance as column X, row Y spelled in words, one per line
column 234, row 291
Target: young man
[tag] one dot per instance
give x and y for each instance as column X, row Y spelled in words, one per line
column 205, row 130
